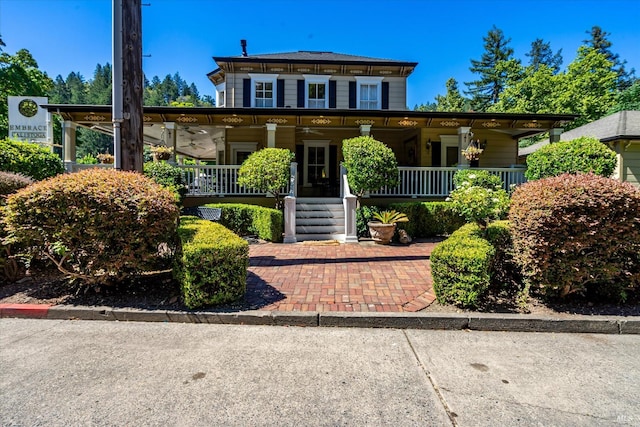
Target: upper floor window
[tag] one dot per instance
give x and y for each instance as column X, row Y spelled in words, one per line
column 369, row 90
column 264, row 90
column 317, row 91
column 220, row 93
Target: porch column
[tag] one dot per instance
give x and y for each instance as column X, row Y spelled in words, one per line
column 464, row 138
column 69, row 144
column 290, row 206
column 271, row 135
column 554, row 135
column 170, row 139
column 365, row 130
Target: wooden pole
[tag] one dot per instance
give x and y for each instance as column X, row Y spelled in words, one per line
column 132, row 84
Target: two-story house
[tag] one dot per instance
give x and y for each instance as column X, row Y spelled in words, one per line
column 309, row 102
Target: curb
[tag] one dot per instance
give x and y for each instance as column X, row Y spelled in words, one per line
column 444, row 321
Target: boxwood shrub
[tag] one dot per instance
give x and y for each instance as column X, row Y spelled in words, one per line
column 428, row 219
column 29, row 159
column 584, row 154
column 98, row 225
column 242, row 219
column 168, row 176
column 576, row 234
column 461, row 267
column 212, row 265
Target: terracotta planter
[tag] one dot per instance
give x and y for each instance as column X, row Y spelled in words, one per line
column 381, row 233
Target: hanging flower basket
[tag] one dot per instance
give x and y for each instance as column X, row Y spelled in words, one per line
column 106, row 159
column 472, row 153
column 161, row 152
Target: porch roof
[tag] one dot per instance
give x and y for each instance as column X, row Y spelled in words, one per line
column 518, row 125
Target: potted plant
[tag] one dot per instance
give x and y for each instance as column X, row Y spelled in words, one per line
column 384, row 228
column 105, row 158
column 161, row 152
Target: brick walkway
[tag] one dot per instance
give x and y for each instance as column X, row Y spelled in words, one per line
column 340, row 277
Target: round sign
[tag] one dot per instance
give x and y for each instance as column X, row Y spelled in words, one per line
column 28, row 107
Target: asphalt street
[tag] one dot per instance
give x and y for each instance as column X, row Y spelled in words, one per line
column 69, row 373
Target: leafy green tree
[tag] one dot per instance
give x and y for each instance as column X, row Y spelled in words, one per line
column 534, row 92
column 100, row 89
column 429, row 106
column 452, row 100
column 600, row 42
column 486, row 90
column 628, row 99
column 267, row 170
column 589, row 87
column 370, row 165
column 19, row 76
column 541, row 54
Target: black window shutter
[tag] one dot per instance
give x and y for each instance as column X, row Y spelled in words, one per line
column 300, row 93
column 280, row 93
column 385, row 95
column 332, row 94
column 352, row 95
column 246, row 93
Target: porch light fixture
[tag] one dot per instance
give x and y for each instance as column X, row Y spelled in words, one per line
column 428, row 145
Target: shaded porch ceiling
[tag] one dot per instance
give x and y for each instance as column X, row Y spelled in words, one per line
column 200, row 129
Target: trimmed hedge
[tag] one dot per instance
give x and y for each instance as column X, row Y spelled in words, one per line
column 578, row 233
column 98, row 225
column 266, row 223
column 461, row 267
column 428, row 219
column 29, row 159
column 584, row 154
column 212, row 265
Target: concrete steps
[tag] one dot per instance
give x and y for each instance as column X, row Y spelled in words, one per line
column 319, row 219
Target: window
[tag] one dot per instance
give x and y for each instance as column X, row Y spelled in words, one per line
column 369, row 92
column 317, row 94
column 317, row 90
column 220, row 91
column 368, row 97
column 263, row 94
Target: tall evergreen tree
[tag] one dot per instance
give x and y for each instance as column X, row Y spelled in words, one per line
column 99, row 90
column 486, row 90
column 600, row 42
column 541, row 54
column 452, row 100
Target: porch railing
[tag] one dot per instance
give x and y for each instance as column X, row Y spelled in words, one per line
column 437, row 181
column 216, row 180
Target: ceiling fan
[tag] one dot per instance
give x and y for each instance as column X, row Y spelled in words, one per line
column 307, row 131
column 195, row 146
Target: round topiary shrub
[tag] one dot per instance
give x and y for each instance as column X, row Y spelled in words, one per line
column 267, row 170
column 98, row 225
column 370, row 165
column 577, row 233
column 168, row 176
column 584, row 154
column 29, row 159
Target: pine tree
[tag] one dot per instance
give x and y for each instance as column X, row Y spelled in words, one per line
column 541, row 54
column 452, row 100
column 602, row 44
column 486, row 90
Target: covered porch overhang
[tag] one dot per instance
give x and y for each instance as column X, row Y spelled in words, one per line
column 202, row 133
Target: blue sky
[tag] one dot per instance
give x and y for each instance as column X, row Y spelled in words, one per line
column 442, row 36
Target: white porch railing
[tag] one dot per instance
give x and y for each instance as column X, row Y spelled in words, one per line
column 437, row 181
column 217, row 180
column 77, row 167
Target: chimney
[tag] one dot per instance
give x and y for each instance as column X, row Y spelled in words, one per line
column 243, row 43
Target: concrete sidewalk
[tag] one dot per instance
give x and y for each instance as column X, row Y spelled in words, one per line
column 61, row 373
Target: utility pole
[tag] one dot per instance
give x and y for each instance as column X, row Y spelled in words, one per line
column 127, row 84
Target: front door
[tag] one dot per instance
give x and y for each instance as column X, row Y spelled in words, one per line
column 318, row 175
